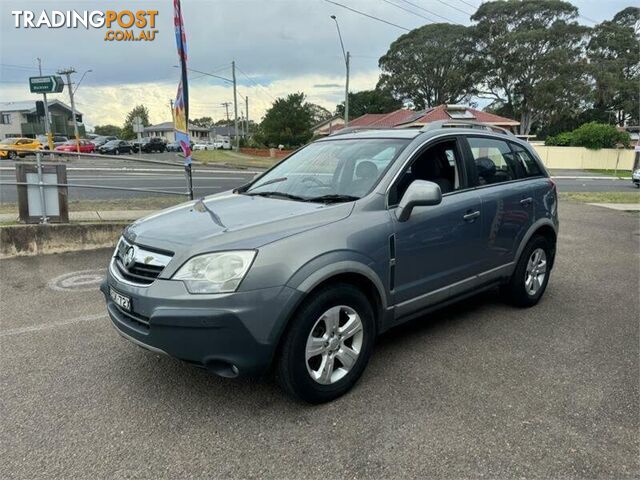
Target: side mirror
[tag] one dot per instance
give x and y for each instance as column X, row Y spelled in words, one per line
column 419, row 194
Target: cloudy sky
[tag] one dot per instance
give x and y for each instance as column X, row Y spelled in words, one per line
column 280, row 46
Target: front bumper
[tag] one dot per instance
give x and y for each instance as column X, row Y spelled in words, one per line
column 230, row 334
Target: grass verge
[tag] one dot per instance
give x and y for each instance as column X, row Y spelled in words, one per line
column 602, row 197
column 222, row 157
column 138, row 203
column 611, row 173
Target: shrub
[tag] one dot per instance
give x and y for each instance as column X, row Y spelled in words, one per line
column 595, row 135
column 561, row 140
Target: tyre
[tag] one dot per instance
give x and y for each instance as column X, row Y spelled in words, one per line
column 328, row 344
column 531, row 276
column 116, row 152
column 12, row 155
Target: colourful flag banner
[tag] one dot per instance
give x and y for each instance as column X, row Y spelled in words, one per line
column 181, row 105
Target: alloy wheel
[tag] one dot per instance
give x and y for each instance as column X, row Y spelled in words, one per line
column 334, row 344
column 536, row 271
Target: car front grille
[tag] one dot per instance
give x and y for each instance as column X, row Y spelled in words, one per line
column 139, row 265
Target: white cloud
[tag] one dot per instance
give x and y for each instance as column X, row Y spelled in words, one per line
column 110, row 104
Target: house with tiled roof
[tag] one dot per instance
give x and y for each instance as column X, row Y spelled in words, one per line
column 404, row 118
column 328, row 126
column 457, row 112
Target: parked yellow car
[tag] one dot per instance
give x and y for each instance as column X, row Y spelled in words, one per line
column 19, row 143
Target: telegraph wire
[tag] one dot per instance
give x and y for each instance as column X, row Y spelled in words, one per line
column 368, row 15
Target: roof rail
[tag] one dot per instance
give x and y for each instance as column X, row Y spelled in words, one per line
column 464, row 124
column 345, row 130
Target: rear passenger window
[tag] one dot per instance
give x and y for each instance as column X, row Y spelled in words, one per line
column 495, row 161
column 531, row 167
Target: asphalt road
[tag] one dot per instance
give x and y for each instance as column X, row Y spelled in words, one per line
column 117, row 173
column 208, row 180
column 479, row 390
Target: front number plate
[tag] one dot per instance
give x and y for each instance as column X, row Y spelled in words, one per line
column 122, row 301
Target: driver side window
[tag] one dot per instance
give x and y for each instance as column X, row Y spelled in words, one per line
column 440, row 163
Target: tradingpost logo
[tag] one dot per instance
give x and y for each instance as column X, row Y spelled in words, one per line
column 120, row 25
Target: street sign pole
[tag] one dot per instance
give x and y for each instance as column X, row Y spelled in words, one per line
column 138, row 127
column 47, row 124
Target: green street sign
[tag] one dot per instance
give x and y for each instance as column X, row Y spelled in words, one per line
column 49, row 84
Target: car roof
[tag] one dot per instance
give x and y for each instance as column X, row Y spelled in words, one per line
column 407, row 133
column 425, row 133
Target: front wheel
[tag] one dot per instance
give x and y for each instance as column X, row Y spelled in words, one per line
column 531, row 276
column 12, row 155
column 328, row 344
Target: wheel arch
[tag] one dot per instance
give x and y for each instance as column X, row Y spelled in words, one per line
column 545, row 228
column 309, row 280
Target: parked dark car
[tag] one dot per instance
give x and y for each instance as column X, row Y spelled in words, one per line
column 115, row 147
column 301, row 268
column 152, row 144
column 101, row 140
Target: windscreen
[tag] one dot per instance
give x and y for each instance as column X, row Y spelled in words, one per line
column 331, row 168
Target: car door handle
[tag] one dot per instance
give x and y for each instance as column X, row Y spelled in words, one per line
column 471, row 216
column 526, row 201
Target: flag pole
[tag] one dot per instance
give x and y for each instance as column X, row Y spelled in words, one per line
column 181, row 109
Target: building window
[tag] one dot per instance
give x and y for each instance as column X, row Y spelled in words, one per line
column 6, row 118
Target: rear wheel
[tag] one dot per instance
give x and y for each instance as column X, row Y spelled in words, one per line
column 12, row 155
column 328, row 344
column 531, row 276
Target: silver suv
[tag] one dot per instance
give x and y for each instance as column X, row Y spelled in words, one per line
column 353, row 234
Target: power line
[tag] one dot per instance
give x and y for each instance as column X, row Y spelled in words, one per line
column 367, row 15
column 407, row 10
column 454, row 7
column 467, row 3
column 595, row 22
column 207, row 74
column 429, row 11
column 255, row 83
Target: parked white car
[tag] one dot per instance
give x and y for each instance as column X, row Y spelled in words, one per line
column 203, row 146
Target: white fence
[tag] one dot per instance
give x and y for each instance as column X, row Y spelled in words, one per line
column 582, row 158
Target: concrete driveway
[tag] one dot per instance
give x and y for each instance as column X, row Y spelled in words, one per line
column 479, row 390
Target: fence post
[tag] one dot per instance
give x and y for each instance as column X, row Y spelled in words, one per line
column 41, row 187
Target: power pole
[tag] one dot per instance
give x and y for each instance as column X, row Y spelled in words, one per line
column 173, row 113
column 246, row 107
column 346, row 92
column 242, row 123
column 47, row 125
column 235, row 104
column 68, row 73
column 226, row 107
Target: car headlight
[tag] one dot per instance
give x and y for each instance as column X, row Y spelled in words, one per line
column 219, row 272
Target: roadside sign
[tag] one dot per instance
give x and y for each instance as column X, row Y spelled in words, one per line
column 48, row 84
column 137, row 125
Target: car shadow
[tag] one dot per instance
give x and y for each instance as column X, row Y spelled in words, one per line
column 174, row 380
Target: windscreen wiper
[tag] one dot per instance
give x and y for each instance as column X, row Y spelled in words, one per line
column 274, row 180
column 277, row 194
column 333, row 198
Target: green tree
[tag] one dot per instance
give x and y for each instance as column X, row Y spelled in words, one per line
column 204, row 122
column 137, row 111
column 430, row 65
column 530, row 56
column 288, row 122
column 615, row 67
column 318, row 113
column 108, row 130
column 369, row 101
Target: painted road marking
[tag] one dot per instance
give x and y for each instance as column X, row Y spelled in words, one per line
column 80, row 281
column 48, row 326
